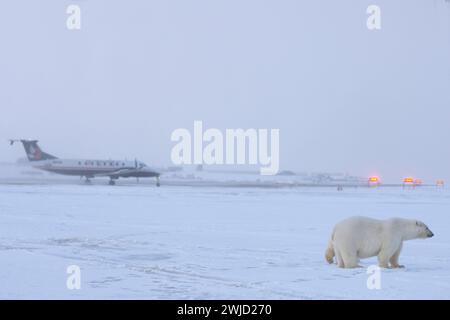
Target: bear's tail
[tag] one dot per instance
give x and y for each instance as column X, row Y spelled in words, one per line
column 329, row 253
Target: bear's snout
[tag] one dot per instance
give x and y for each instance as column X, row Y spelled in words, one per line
column 429, row 233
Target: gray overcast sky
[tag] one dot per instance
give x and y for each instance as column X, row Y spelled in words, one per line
column 344, row 98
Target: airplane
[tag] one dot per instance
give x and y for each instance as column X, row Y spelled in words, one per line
column 114, row 169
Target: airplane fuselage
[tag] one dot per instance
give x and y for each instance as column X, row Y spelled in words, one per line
column 91, row 168
column 78, row 167
column 114, row 169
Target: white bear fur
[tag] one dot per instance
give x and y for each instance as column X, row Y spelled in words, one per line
column 361, row 237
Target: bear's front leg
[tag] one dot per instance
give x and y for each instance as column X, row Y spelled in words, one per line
column 394, row 259
column 383, row 260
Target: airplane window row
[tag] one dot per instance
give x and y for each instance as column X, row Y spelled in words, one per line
column 101, row 163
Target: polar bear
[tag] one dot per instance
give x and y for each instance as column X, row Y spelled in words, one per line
column 362, row 237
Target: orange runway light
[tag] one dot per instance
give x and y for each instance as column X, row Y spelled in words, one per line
column 440, row 183
column 408, row 180
column 374, row 179
column 418, row 182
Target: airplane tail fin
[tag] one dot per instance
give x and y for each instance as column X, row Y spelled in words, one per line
column 33, row 151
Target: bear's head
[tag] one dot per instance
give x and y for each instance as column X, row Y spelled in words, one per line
column 422, row 230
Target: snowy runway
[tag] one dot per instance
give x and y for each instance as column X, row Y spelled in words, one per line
column 142, row 242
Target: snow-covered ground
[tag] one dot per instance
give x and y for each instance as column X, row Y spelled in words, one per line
column 180, row 242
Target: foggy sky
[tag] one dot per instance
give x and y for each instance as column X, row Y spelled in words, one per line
column 345, row 99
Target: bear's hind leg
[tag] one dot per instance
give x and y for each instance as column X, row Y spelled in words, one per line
column 339, row 260
column 350, row 260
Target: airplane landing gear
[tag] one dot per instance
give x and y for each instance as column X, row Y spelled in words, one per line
column 87, row 180
column 112, row 182
column 158, row 183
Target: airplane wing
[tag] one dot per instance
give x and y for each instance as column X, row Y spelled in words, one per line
column 131, row 172
column 116, row 173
